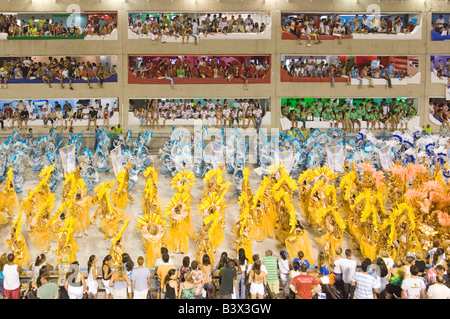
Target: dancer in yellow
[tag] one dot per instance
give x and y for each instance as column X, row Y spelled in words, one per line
column 348, row 190
column 65, row 243
column 322, row 177
column 369, row 222
column 117, row 248
column 400, row 227
column 182, row 183
column 73, row 183
column 262, row 211
column 214, row 184
column 177, row 239
column 81, row 213
column 18, row 244
column 244, row 227
column 151, row 201
column 362, row 202
column 9, row 201
column 37, row 196
column 334, row 227
column 212, row 205
column 299, row 241
column 153, row 228
column 120, row 195
column 40, row 235
column 304, row 191
column 282, row 190
column 110, row 215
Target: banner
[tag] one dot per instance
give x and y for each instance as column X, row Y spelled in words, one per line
column 448, row 155
column 68, row 158
column 116, row 160
column 335, row 158
column 386, row 157
column 285, row 158
column 217, row 152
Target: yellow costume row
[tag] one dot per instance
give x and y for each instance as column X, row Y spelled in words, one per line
column 402, row 210
column 72, row 216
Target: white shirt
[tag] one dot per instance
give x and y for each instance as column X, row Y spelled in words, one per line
column 11, row 281
column 160, row 261
column 257, row 113
column 348, row 268
column 438, row 291
column 365, row 284
column 413, row 287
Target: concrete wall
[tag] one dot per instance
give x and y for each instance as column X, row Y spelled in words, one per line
column 275, row 47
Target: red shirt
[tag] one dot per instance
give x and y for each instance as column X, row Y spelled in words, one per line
column 303, row 284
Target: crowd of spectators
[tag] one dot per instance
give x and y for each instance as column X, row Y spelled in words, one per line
column 440, row 111
column 162, row 25
column 316, row 25
column 310, row 67
column 55, row 115
column 441, row 25
column 63, row 70
column 243, row 113
column 440, row 68
column 348, row 115
column 41, row 26
column 414, row 276
column 201, row 68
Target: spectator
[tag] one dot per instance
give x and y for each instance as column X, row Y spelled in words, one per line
column 241, row 281
column 284, row 265
column 184, row 269
column 3, row 261
column 170, row 289
column 304, row 285
column 206, row 268
column 119, row 281
column 347, row 267
column 11, row 281
column 91, row 282
column 433, row 273
column 75, row 284
column 301, row 259
column 36, row 268
column 187, row 287
column 140, row 280
column 162, row 270
column 198, row 280
column 413, row 287
column 396, row 276
column 270, row 262
column 228, row 275
column 366, row 285
column 47, row 289
column 106, row 275
column 257, row 281
column 438, row 290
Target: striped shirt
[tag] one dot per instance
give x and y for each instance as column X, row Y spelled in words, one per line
column 365, row 284
column 271, row 264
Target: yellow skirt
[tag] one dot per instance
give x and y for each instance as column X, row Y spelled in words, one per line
column 152, row 252
column 41, row 239
column 368, row 251
column 294, row 244
column 264, row 229
column 176, row 238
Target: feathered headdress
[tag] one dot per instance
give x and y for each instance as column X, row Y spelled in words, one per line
column 120, row 234
column 212, row 201
column 155, row 219
column 183, row 178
